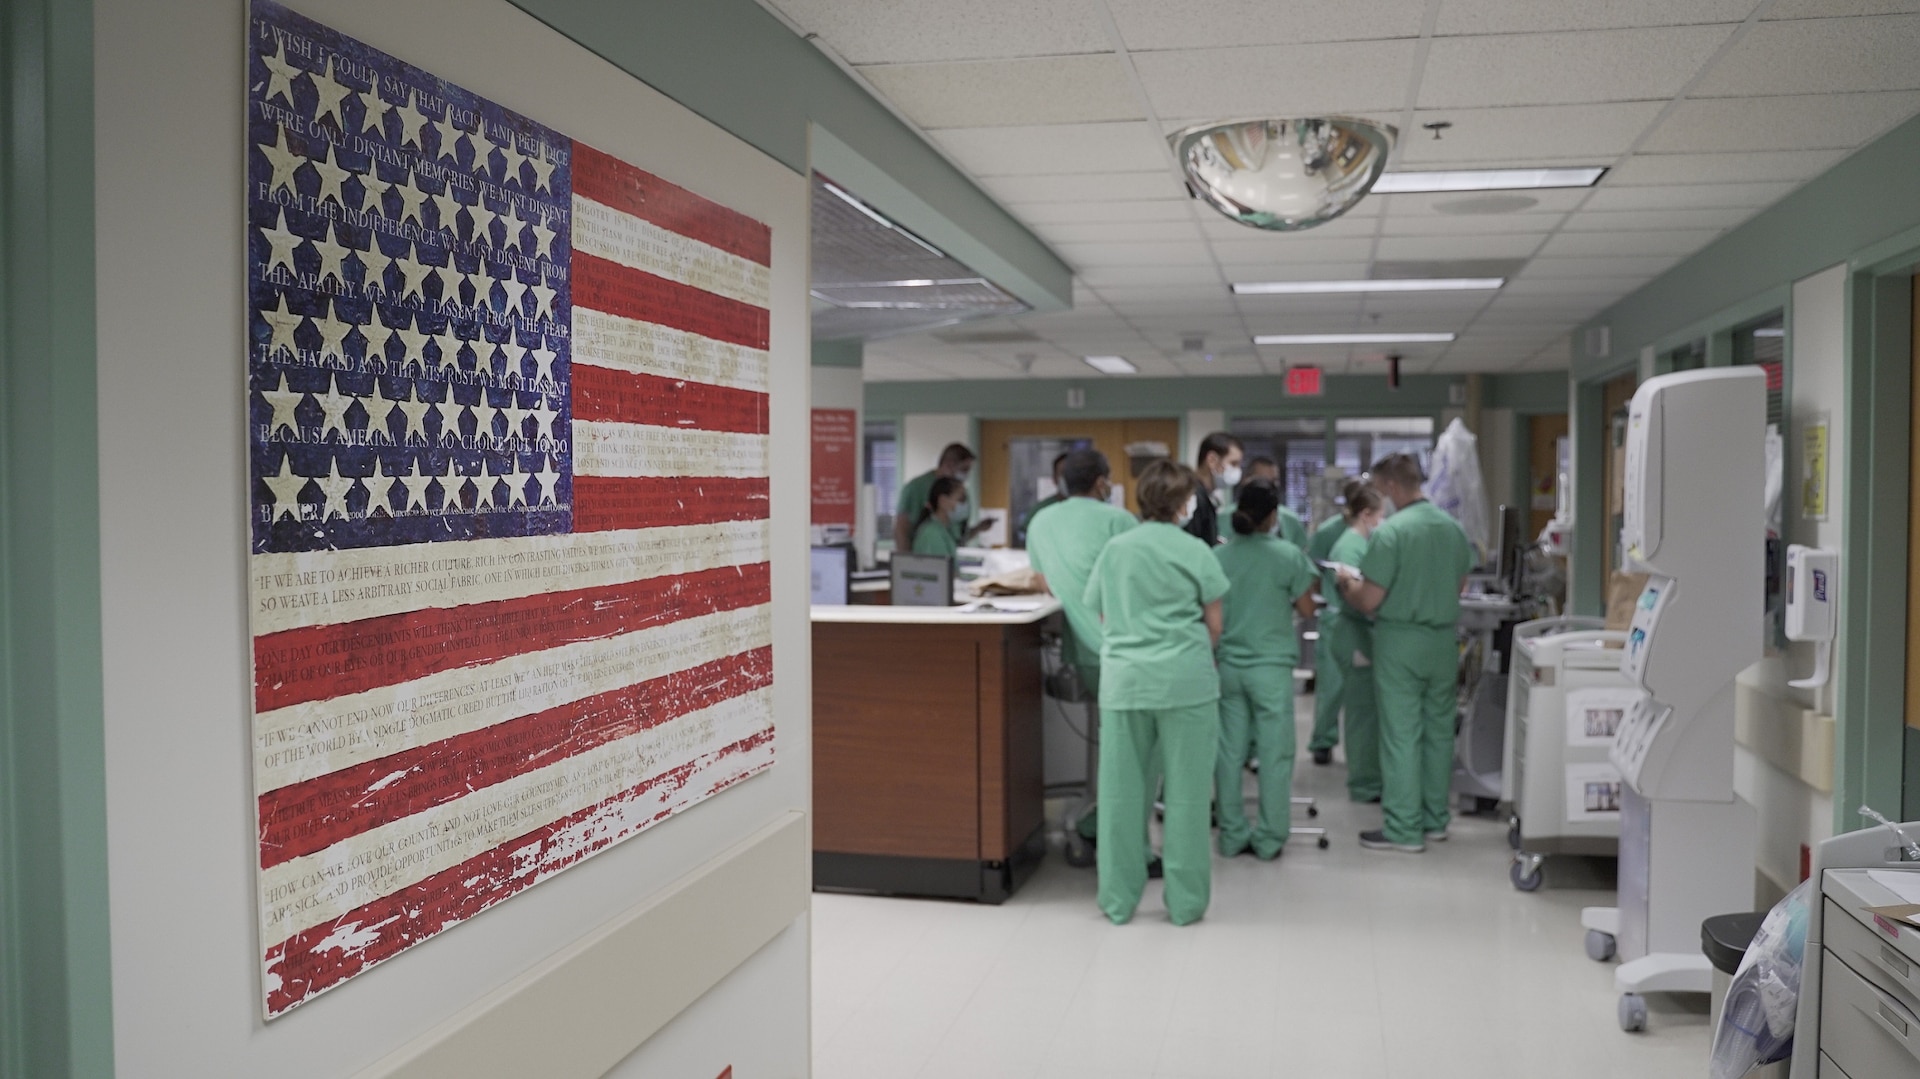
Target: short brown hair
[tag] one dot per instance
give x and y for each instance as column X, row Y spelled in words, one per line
column 1361, row 498
column 1164, row 488
column 1401, row 469
column 956, row 453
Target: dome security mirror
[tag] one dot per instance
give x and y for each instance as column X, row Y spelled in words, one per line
column 1284, row 175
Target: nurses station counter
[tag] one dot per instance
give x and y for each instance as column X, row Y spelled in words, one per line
column 927, row 748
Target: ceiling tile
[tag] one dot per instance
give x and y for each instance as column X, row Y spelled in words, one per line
column 1305, row 271
column 1529, row 285
column 1812, row 9
column 1127, row 231
column 1156, row 184
column 1688, row 196
column 1049, row 149
column 1098, row 276
column 1470, row 224
column 1528, row 133
column 1593, row 221
column 1283, row 80
column 1636, row 266
column 1271, row 307
column 1187, row 24
column 1457, row 247
column 1073, row 213
column 1565, row 68
column 1293, row 248
column 909, row 31
column 1347, row 227
column 1810, row 122
column 1554, row 201
column 1653, row 242
column 989, row 93
column 1818, row 56
column 1516, row 16
column 1191, row 252
column 1723, row 168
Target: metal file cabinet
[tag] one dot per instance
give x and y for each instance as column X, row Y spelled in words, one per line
column 1867, row 994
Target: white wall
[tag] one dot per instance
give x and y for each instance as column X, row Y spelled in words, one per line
column 1499, row 428
column 924, row 434
column 1197, row 425
column 173, row 483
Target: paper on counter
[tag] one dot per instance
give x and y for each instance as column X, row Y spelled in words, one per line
column 1904, row 883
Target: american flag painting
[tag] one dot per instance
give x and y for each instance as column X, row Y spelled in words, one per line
column 509, row 519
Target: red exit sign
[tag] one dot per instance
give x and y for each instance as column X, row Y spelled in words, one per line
column 1303, row 382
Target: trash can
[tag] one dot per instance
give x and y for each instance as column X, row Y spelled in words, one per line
column 1725, row 938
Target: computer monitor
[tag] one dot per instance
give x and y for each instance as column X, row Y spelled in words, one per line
column 1510, row 562
column 832, row 572
column 922, row 580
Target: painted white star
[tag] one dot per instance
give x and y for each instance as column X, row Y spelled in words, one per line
column 483, row 415
column 331, row 175
column 516, row 417
column 542, row 170
column 415, row 484
column 415, row 410
column 335, row 487
column 280, row 75
column 332, row 258
column 283, row 401
column 543, row 357
column 375, row 199
column 482, row 286
column 543, row 301
column 413, row 345
column 543, row 418
column 280, row 245
column 333, row 334
column 449, row 352
column 415, row 273
column 450, row 484
column 283, row 322
column 286, row 490
column 515, row 159
column 448, row 207
column 411, row 120
column 483, row 220
column 483, row 486
column 410, row 199
column 514, row 223
column 377, row 110
column 482, row 352
column 331, row 92
column 514, row 497
column 333, row 408
column 483, row 148
column 376, row 262
column 449, row 136
column 542, row 240
column 516, row 292
column 282, row 160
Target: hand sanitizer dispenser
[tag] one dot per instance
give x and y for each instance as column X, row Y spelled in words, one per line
column 1813, row 588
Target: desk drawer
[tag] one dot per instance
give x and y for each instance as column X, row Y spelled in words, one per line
column 1882, row 961
column 1868, row 1033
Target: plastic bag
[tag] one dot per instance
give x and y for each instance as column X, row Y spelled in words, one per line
column 1455, row 484
column 1756, row 1023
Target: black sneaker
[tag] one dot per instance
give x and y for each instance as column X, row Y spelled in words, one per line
column 1377, row 840
column 1323, row 757
column 1155, row 868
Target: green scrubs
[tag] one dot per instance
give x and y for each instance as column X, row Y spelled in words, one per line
column 1292, row 529
column 1063, row 546
column 1159, row 699
column 1419, row 555
column 1327, row 685
column 1025, row 529
column 934, row 537
column 913, row 498
column 1257, row 654
column 1345, row 633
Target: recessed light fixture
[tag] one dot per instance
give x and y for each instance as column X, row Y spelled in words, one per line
column 1402, row 284
column 1408, row 183
column 877, row 217
column 1351, row 339
column 1770, row 331
column 1112, row 365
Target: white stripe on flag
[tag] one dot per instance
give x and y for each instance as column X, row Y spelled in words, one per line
column 633, row 449
column 618, row 236
column 304, row 892
column 310, row 739
column 601, row 339
column 319, row 588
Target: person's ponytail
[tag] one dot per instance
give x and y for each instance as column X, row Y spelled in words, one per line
column 1259, row 499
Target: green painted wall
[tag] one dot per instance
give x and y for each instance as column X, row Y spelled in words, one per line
column 838, row 353
column 55, row 979
column 1530, row 394
column 1348, row 395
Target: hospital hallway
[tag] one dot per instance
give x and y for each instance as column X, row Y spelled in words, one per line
column 1322, row 965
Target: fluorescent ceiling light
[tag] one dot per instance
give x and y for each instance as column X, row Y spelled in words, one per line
column 877, row 217
column 1770, row 331
column 1402, row 284
column 1349, row 339
column 1112, row 365
column 1406, row 183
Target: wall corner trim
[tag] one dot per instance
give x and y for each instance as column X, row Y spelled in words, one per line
column 588, row 1006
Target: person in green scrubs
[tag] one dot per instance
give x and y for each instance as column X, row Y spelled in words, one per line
column 1327, row 685
column 1270, row 581
column 933, row 528
column 956, row 462
column 1287, row 524
column 1023, row 527
column 1410, row 582
column 1158, row 592
column 1346, row 643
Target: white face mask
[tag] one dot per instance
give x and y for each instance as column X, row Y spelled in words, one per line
column 1186, row 514
column 1230, row 476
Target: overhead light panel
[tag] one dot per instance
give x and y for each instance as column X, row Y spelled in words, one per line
column 1112, row 365
column 1410, row 183
column 1350, row 339
column 1404, row 284
column 1770, row 331
column 877, row 217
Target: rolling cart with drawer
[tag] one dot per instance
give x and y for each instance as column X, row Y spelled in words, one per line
column 1859, row 1012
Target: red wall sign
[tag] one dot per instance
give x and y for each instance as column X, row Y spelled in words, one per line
column 1303, row 382
column 835, row 478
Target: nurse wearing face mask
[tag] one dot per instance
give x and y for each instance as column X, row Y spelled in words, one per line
column 1219, row 468
column 1346, row 641
column 933, row 527
column 1157, row 592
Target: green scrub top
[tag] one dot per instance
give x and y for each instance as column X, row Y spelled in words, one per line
column 933, row 537
column 1148, row 588
column 1266, row 574
column 1026, row 522
column 1320, row 549
column 913, row 497
column 1292, row 529
column 1350, row 548
column 1419, row 555
column 1064, row 544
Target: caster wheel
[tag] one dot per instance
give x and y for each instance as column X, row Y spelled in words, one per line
column 1633, row 1012
column 1600, row 946
column 1312, row 812
column 1513, row 833
column 1079, row 852
column 1525, row 877
column 1323, row 843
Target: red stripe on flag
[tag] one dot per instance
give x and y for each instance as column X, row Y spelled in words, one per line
column 609, row 503
column 612, row 182
column 317, row 662
column 615, row 289
column 309, row 961
column 307, row 817
column 615, row 396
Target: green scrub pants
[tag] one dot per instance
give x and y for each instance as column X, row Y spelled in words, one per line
column 1183, row 741
column 1340, row 638
column 1256, row 713
column 1415, row 671
column 1329, row 682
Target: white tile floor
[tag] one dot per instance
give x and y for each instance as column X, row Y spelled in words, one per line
column 1326, row 964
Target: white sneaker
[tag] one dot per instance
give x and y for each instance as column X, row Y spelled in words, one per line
column 1377, row 840
column 1437, row 836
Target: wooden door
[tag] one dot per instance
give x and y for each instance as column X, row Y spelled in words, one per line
column 1110, row 437
column 1543, row 468
column 1619, row 589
